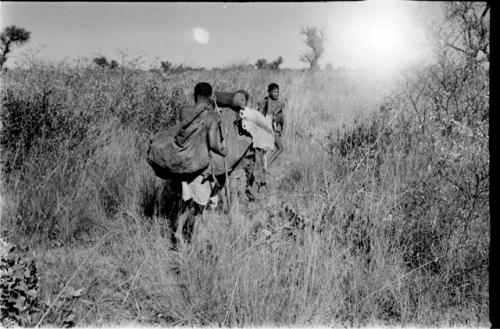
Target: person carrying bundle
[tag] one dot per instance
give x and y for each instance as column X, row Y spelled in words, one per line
column 269, row 107
column 184, row 150
column 210, row 148
column 273, row 107
column 189, row 113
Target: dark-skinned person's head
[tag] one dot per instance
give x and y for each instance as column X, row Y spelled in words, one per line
column 274, row 91
column 241, row 98
column 202, row 92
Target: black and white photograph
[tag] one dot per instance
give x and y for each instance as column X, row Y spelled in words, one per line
column 245, row 164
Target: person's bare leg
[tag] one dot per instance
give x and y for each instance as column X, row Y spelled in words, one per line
column 181, row 221
column 265, row 158
column 195, row 215
column 277, row 152
column 259, row 159
column 199, row 220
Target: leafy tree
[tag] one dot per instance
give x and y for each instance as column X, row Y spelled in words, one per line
column 103, row 62
column 166, row 66
column 274, row 65
column 315, row 39
column 466, row 30
column 12, row 35
column 113, row 64
column 261, row 63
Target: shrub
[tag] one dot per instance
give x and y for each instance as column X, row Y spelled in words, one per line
column 36, row 122
column 19, row 285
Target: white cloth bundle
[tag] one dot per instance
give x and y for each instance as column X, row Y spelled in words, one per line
column 259, row 126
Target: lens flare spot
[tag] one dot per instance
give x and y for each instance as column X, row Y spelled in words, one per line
column 201, row 35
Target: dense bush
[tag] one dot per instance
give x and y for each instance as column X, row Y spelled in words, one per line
column 37, row 123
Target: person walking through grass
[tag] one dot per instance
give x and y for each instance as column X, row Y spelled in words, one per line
column 188, row 113
column 272, row 106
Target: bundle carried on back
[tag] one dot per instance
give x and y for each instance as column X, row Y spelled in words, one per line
column 260, row 127
column 181, row 149
column 235, row 101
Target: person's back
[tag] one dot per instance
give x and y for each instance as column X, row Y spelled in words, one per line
column 199, row 124
column 189, row 112
column 184, row 149
column 192, row 117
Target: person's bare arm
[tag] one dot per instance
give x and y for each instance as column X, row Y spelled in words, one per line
column 281, row 118
column 182, row 113
column 282, row 121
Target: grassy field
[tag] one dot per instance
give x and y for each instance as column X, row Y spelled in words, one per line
column 397, row 188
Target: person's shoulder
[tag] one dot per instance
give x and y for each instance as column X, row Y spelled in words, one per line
column 186, row 107
column 211, row 117
column 204, row 106
column 186, row 110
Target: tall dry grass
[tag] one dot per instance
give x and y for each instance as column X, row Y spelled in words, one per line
column 396, row 245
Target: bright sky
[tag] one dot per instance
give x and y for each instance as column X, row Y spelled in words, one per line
column 380, row 34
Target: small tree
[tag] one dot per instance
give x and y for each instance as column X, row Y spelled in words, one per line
column 103, row 62
column 166, row 66
column 275, row 65
column 113, row 64
column 261, row 63
column 315, row 39
column 12, row 35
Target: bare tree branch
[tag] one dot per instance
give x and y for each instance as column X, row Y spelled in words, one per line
column 315, row 39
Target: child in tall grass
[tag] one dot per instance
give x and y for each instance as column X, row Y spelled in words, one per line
column 272, row 106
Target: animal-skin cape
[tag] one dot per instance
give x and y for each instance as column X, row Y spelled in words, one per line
column 259, row 126
column 181, row 149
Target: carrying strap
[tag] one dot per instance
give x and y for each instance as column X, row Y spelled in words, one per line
column 187, row 129
column 202, row 110
column 223, row 133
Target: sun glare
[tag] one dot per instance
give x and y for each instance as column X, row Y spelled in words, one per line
column 381, row 35
column 201, row 35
